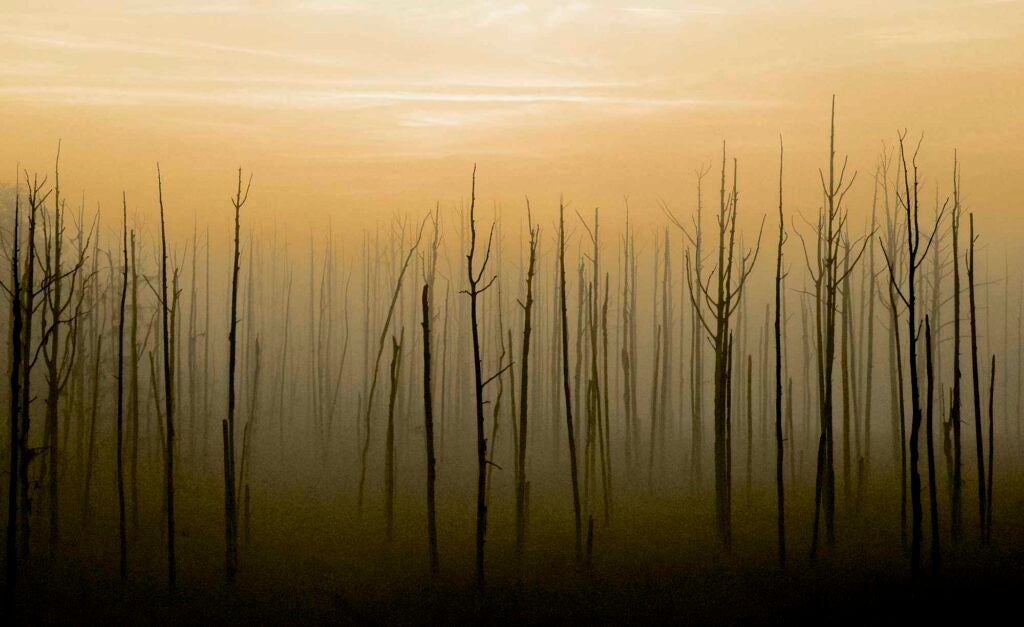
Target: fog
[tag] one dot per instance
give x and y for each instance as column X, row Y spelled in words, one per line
column 675, row 514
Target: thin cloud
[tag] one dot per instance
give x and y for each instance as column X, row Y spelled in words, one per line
column 671, row 13
column 334, row 99
column 251, row 8
column 66, row 42
column 160, row 47
column 930, row 34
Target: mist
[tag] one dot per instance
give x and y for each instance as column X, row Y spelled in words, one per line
column 652, row 411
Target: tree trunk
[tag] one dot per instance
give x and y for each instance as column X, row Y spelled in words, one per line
column 566, row 386
column 428, row 413
column 168, row 396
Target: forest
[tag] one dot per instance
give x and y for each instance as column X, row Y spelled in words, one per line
column 700, row 410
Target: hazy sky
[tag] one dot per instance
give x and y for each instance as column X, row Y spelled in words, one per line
column 366, row 107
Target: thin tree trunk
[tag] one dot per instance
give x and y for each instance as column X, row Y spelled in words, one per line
column 168, row 395
column 14, row 445
column 36, row 200
column 975, row 375
column 991, row 451
column 133, row 391
column 228, row 427
column 389, row 439
column 376, row 366
column 933, row 496
column 566, row 386
column 779, row 441
column 120, row 401
column 428, row 413
column 524, row 374
column 474, row 278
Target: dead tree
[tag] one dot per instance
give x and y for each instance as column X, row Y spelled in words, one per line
column 956, row 503
column 697, row 345
column 376, row 364
column 779, row 441
column 389, row 438
column 566, row 386
column 477, row 286
column 15, row 443
column 524, row 386
column 870, row 360
column 975, row 374
column 24, row 296
column 244, row 468
column 596, row 410
column 915, row 257
column 730, row 283
column 191, row 355
column 428, row 418
column 828, row 271
column 428, row 404
column 933, row 496
column 228, row 425
column 61, row 308
column 168, row 392
column 133, row 390
column 655, row 396
column 120, row 394
column 991, row 450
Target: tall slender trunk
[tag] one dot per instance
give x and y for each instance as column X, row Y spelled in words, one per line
column 14, row 444
column 566, row 385
column 133, row 390
column 228, row 426
column 869, row 363
column 368, row 410
column 779, row 441
column 428, row 418
column 172, row 563
column 53, row 293
column 35, row 200
column 956, row 503
column 976, row 378
column 991, row 450
column 389, row 439
column 120, row 399
column 933, row 496
column 474, row 277
column 524, row 386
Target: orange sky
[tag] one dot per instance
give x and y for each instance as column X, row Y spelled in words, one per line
column 359, row 109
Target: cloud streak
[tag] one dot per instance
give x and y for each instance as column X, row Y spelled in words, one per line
column 330, row 99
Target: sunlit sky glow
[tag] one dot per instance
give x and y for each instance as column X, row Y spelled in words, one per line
column 358, row 107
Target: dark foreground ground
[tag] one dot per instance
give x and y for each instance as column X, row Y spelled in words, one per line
column 655, row 563
column 987, row 589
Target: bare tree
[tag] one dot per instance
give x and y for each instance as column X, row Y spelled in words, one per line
column 933, row 496
column 428, row 413
column 915, row 257
column 389, row 438
column 978, row 436
column 15, row 443
column 228, row 425
column 120, row 394
column 566, row 386
column 829, row 269
column 779, row 441
column 36, row 201
column 168, row 392
column 730, row 283
column 376, row 364
column 956, row 504
column 524, row 386
column 477, row 286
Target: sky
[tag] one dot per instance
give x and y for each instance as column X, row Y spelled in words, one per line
column 357, row 110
